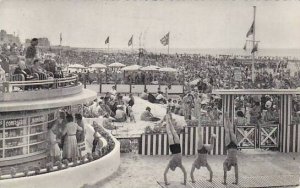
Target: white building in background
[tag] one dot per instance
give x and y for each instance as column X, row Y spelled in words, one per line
column 6, row 38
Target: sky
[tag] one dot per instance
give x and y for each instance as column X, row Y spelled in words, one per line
column 191, row 23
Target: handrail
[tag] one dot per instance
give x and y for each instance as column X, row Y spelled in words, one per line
column 56, row 83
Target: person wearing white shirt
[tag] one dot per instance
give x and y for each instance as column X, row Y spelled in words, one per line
column 120, row 114
column 113, row 90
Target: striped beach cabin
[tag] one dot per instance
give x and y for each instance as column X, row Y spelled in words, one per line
column 288, row 137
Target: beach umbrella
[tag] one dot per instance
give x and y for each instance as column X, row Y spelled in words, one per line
column 132, row 68
column 77, row 66
column 194, row 82
column 150, row 68
column 98, row 66
column 167, row 69
column 116, row 65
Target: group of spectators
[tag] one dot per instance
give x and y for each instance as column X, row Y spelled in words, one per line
column 210, row 71
column 64, row 134
column 29, row 63
column 113, row 107
column 206, row 71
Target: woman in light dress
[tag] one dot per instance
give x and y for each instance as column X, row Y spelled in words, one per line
column 55, row 153
column 70, row 150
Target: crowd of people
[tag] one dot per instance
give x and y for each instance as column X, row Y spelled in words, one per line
column 206, row 72
column 64, row 135
column 210, row 71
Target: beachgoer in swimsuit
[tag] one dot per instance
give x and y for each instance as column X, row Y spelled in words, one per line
column 203, row 150
column 174, row 144
column 231, row 146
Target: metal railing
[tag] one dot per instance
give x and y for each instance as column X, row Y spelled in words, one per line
column 8, row 87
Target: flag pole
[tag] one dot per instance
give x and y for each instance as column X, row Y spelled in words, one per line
column 132, row 45
column 253, row 43
column 169, row 45
column 60, row 42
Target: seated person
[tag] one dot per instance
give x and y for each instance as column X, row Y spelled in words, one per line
column 240, row 119
column 106, row 109
column 148, row 116
column 144, row 95
column 160, row 98
column 151, row 98
column 120, row 114
column 22, row 69
column 113, row 91
column 58, row 73
column 107, row 122
column 180, row 108
column 95, row 108
column 36, row 68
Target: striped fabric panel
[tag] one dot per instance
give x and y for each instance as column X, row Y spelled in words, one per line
column 158, row 144
column 293, row 138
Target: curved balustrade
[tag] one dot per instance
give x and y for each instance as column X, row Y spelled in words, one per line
column 9, row 87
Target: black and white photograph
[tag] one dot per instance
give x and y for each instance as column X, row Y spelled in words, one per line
column 149, row 93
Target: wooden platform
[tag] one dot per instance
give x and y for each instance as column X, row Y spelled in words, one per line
column 249, row 182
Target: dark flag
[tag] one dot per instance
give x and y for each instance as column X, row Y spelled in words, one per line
column 255, row 48
column 130, row 41
column 165, row 40
column 107, row 40
column 245, row 46
column 251, row 30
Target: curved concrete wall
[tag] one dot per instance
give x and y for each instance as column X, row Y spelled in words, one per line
column 40, row 94
column 74, row 177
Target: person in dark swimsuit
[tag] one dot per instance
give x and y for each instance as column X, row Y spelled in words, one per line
column 174, row 144
column 231, row 146
column 203, row 150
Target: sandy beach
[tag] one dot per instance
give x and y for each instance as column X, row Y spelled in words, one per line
column 137, row 171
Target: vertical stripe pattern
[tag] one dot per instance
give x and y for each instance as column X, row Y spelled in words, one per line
column 285, row 123
column 228, row 106
column 157, row 144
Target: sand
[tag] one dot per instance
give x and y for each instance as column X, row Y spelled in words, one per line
column 137, row 171
column 136, row 129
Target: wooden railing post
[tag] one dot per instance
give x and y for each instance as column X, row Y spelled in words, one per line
column 6, row 87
